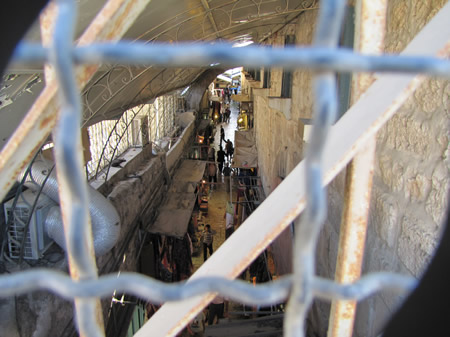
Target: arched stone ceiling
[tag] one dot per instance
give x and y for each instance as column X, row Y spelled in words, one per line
column 116, row 87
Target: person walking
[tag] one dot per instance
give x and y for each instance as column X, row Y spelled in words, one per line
column 229, row 220
column 227, row 176
column 220, row 158
column 227, row 114
column 208, row 237
column 229, row 149
column 222, row 135
column 217, row 308
column 212, row 174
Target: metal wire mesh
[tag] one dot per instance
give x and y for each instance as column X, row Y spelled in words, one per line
column 85, row 288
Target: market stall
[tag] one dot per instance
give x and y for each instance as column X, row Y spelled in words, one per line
column 169, row 247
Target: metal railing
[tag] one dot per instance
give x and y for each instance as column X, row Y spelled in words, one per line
column 85, row 288
column 109, row 139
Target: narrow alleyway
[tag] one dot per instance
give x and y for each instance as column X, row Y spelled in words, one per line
column 218, row 196
column 238, row 320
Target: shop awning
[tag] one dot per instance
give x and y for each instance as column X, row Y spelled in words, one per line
column 241, row 98
column 190, row 171
column 175, row 213
column 245, row 153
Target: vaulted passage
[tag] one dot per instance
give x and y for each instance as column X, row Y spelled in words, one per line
column 117, row 143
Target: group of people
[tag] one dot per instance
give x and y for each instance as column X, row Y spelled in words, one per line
column 218, row 308
column 222, row 116
column 222, row 156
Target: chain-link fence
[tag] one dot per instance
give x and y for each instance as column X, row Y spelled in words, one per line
column 85, row 288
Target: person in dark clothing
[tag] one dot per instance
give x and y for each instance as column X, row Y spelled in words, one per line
column 207, row 241
column 229, row 149
column 222, row 135
column 220, row 158
column 212, row 173
column 227, row 113
column 227, row 94
column 227, row 176
column 217, row 308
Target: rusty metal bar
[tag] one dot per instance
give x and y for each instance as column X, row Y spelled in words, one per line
column 47, row 27
column 110, row 24
column 370, row 25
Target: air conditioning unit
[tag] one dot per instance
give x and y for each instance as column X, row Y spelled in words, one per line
column 36, row 241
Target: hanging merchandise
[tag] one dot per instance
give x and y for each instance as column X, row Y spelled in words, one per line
column 182, row 261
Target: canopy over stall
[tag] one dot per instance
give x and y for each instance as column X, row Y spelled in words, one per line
column 176, row 212
column 241, row 98
column 245, row 154
column 190, row 171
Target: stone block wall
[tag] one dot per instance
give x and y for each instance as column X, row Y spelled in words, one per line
column 411, row 184
column 279, row 133
column 302, row 95
column 411, row 178
column 175, row 154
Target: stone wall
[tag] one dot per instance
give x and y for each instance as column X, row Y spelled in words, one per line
column 279, row 130
column 278, row 127
column 411, row 181
column 175, row 154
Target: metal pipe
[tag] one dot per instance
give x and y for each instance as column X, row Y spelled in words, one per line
column 105, row 219
column 369, row 38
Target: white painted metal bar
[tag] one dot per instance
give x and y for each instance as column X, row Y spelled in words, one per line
column 282, row 206
column 370, row 25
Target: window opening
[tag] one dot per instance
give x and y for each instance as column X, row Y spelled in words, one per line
column 344, row 80
column 286, row 82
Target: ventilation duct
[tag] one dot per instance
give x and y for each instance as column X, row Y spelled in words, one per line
column 104, row 217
